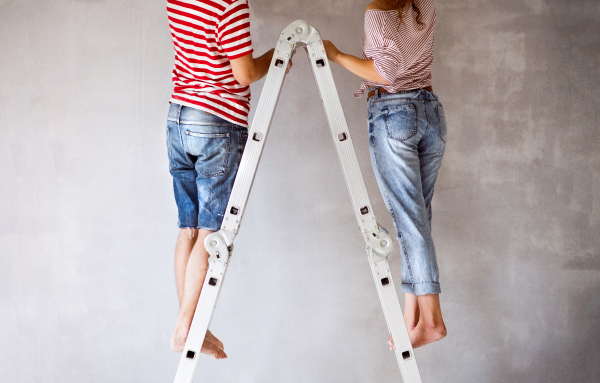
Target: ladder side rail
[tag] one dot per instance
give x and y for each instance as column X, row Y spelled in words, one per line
column 386, row 290
column 201, row 322
column 374, row 236
column 220, row 244
column 341, row 137
column 257, row 137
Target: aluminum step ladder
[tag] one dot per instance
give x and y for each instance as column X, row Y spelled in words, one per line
column 220, row 244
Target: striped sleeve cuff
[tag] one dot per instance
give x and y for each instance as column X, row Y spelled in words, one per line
column 385, row 64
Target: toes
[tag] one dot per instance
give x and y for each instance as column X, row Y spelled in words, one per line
column 209, row 351
column 217, row 343
column 391, row 343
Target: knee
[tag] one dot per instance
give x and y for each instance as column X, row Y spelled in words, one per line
column 188, row 233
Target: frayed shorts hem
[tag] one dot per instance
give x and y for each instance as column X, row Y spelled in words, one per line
column 419, row 289
column 197, row 227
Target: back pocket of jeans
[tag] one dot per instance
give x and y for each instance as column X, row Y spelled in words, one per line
column 211, row 150
column 400, row 121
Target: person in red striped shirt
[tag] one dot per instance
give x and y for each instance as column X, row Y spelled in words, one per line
column 207, row 129
column 407, row 137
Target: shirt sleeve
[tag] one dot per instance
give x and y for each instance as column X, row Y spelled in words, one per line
column 234, row 30
column 386, row 62
column 375, row 47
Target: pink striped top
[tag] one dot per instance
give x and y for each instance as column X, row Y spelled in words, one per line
column 401, row 52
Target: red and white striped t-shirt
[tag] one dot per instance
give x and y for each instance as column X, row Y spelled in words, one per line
column 402, row 52
column 206, row 35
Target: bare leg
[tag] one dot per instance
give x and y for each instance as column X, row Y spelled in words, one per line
column 411, row 311
column 185, row 243
column 189, row 286
column 411, row 315
column 430, row 327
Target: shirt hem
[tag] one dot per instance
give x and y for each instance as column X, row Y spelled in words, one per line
column 182, row 101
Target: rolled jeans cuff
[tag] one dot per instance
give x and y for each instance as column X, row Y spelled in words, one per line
column 418, row 289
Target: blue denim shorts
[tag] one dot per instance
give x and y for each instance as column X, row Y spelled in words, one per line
column 407, row 137
column 204, row 156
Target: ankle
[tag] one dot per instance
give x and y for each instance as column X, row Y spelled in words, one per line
column 434, row 326
column 410, row 323
column 183, row 323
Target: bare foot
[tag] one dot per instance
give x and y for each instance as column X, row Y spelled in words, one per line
column 213, row 339
column 427, row 332
column 209, row 348
column 422, row 335
column 411, row 316
column 410, row 325
column 180, row 336
column 178, row 341
column 423, row 318
column 391, row 343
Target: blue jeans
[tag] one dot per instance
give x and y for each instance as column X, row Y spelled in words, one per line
column 407, row 137
column 204, row 155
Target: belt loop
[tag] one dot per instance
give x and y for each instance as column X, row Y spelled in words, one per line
column 377, row 93
column 179, row 113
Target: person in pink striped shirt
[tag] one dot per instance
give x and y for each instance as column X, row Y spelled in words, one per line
column 407, row 137
column 207, row 129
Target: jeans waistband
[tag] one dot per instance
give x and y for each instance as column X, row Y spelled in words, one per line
column 422, row 94
column 188, row 115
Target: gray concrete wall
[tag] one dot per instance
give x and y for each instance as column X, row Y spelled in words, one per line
column 88, row 220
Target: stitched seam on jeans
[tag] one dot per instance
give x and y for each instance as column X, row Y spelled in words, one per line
column 179, row 113
column 437, row 112
column 183, row 148
column 172, row 164
column 403, row 244
column 426, row 118
column 206, row 135
column 396, row 99
column 201, row 123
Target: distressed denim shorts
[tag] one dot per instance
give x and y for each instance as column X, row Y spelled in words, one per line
column 204, row 154
column 407, row 139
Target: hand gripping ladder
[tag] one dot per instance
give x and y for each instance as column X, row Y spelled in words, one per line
column 220, row 244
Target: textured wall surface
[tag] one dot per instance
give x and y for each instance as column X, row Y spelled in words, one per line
column 88, row 220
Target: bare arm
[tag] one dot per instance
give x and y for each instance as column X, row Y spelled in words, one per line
column 360, row 67
column 247, row 70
